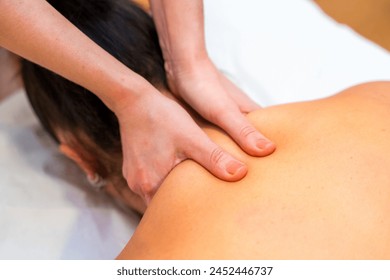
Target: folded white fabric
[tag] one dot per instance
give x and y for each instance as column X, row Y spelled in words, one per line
column 277, row 50
column 282, row 51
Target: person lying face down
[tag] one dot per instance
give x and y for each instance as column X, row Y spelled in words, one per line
column 324, row 193
column 87, row 131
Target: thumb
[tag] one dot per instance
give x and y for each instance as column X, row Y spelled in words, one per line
column 244, row 103
column 217, row 161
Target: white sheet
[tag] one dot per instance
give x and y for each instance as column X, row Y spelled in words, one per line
column 282, row 51
column 47, row 210
column 276, row 50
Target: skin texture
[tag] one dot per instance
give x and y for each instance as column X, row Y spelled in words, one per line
column 182, row 41
column 315, row 198
column 34, row 30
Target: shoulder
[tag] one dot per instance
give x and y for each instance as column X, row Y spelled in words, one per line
column 373, row 92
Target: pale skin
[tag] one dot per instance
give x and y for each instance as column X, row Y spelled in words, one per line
column 36, row 31
column 9, row 79
column 315, row 198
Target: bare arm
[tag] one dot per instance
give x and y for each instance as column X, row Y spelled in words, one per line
column 180, row 28
column 192, row 75
column 156, row 133
column 34, row 30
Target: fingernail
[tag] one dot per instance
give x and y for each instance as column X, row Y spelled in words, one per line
column 263, row 144
column 234, row 167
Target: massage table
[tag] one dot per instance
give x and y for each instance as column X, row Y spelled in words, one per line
column 277, row 51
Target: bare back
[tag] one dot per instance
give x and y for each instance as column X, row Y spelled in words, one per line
column 323, row 194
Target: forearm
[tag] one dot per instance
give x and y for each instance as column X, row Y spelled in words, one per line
column 36, row 31
column 180, row 26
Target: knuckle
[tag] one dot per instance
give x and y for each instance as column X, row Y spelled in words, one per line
column 134, row 188
column 147, row 188
column 247, row 130
column 144, row 188
column 216, row 155
column 138, row 180
column 124, row 170
column 143, row 183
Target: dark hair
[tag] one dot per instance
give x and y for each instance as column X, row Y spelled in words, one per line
column 127, row 32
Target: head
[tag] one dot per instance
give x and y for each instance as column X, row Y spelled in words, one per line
column 85, row 129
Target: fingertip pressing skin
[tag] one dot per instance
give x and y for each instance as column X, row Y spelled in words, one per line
column 264, row 147
column 227, row 167
column 252, row 141
column 236, row 171
column 256, row 145
column 216, row 160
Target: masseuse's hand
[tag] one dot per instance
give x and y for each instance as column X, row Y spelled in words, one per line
column 218, row 100
column 157, row 134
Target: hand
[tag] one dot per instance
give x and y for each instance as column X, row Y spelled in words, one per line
column 218, row 100
column 157, row 134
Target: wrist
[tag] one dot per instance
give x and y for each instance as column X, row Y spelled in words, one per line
column 127, row 95
column 191, row 63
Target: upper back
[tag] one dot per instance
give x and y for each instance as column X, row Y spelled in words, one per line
column 324, row 193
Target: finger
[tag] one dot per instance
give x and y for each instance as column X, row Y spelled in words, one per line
column 145, row 189
column 217, row 161
column 245, row 104
column 145, row 181
column 226, row 114
column 244, row 133
column 141, row 181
